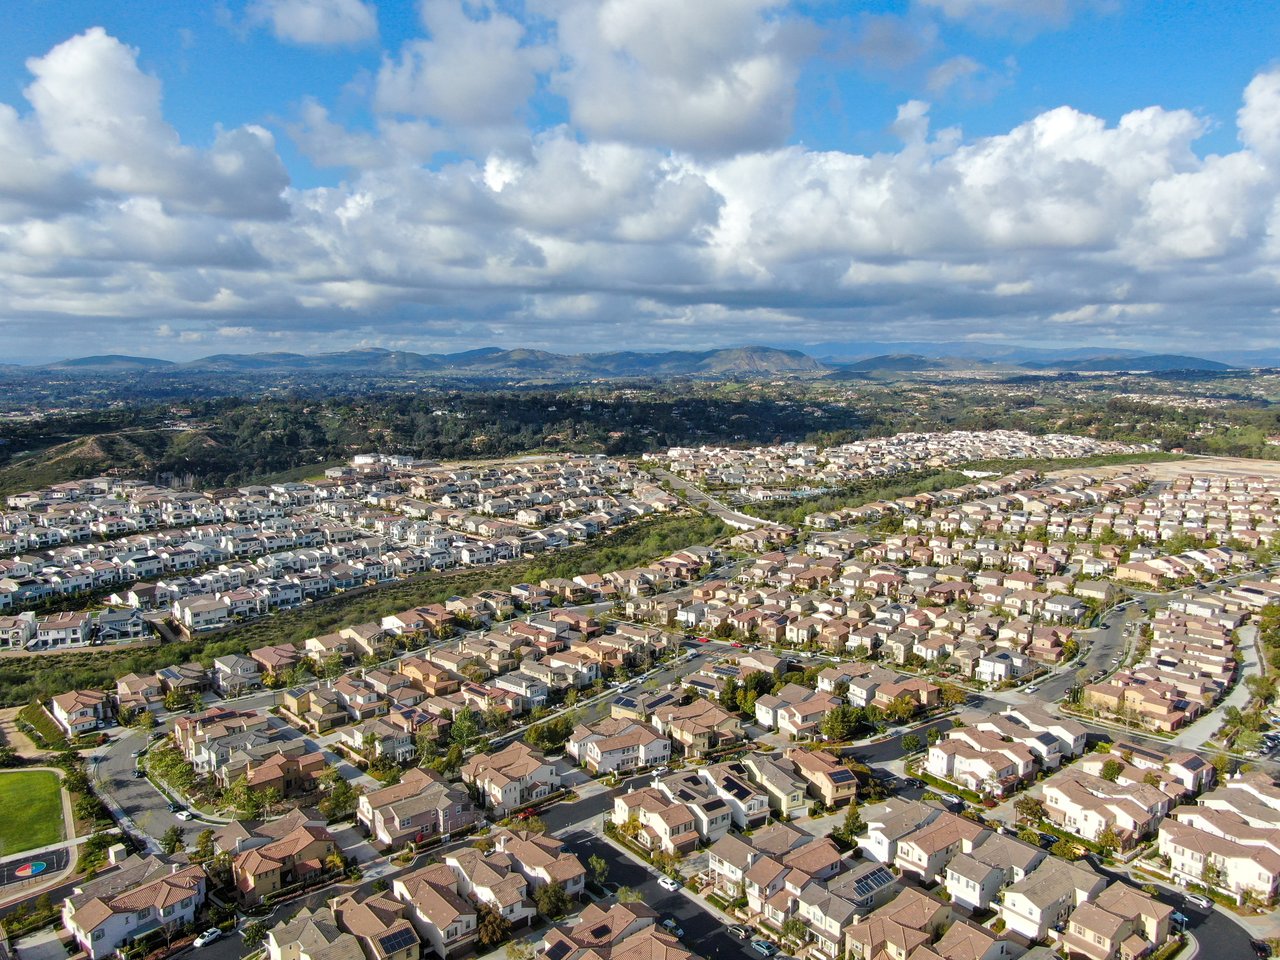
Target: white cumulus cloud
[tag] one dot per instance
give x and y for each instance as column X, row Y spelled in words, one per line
column 318, row 22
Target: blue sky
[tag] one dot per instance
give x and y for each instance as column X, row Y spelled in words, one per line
column 179, row 179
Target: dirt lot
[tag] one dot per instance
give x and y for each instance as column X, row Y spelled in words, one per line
column 1199, row 466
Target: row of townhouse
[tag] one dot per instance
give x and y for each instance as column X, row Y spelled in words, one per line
column 993, row 754
column 898, row 625
column 73, row 628
column 434, row 910
column 297, row 550
column 1038, row 897
column 1190, row 661
column 442, row 900
column 798, row 467
column 1229, row 840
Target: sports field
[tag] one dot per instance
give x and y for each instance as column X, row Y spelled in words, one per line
column 30, row 810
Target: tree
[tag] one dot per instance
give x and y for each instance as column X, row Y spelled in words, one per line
column 205, row 850
column 1222, row 764
column 953, row 696
column 243, row 798
column 852, row 826
column 795, row 929
column 911, row 743
column 332, row 666
column 340, row 796
column 551, row 900
column 466, row 726
column 598, row 868
column 177, row 699
column 254, row 932
column 1029, row 808
column 1027, row 835
column 1065, row 849
column 173, row 840
column 1111, row 769
column 520, row 950
column 1069, row 649
column 934, row 735
column 491, row 926
column 87, row 807
column 1108, row 840
column 629, row 895
column 729, row 694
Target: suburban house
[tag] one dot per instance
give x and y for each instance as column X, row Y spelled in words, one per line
column 315, row 935
column 514, row 777
column 422, row 805
column 81, row 711
column 140, row 897
column 829, row 780
column 442, row 916
column 698, row 727
column 282, row 861
column 1042, row 900
column 1121, row 923
column 617, row 745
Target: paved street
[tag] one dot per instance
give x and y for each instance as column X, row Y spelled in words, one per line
column 703, row 931
column 695, row 497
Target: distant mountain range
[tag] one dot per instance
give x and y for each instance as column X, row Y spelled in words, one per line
column 844, row 353
column 486, row 362
column 1154, row 363
column 840, row 361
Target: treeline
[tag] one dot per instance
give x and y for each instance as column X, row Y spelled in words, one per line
column 236, row 441
column 39, row 676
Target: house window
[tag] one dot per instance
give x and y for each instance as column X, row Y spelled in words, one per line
column 144, row 913
column 99, row 934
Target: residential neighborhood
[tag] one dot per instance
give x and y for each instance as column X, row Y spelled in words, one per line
column 1024, row 714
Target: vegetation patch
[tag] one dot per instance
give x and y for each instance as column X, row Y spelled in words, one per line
column 30, row 810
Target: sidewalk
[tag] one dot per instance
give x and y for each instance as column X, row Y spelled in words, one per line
column 1194, row 736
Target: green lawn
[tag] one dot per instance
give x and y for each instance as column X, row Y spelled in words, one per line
column 30, row 810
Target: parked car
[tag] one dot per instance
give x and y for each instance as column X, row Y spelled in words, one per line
column 139, row 752
column 739, row 931
column 206, row 938
column 764, row 948
column 662, row 769
column 1261, row 948
column 672, row 927
column 1204, row 903
column 174, row 807
column 183, row 814
column 138, row 773
column 666, row 883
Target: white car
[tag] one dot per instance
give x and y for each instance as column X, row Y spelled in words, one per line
column 666, row 883
column 1204, row 903
column 206, row 938
column 184, row 815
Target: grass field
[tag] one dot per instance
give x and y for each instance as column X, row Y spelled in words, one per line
column 30, row 810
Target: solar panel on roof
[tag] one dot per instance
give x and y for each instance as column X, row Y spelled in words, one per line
column 394, row 942
column 872, row 881
column 841, row 776
column 558, row 951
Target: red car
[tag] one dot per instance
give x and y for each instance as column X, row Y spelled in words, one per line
column 735, row 644
column 704, row 639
